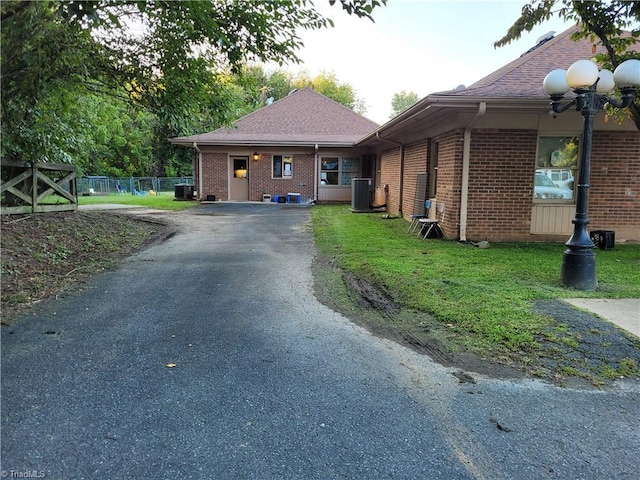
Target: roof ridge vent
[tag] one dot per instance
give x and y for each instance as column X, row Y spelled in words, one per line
column 546, row 37
column 540, row 41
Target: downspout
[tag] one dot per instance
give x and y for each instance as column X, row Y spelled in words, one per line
column 401, row 186
column 466, row 155
column 195, row 145
column 315, row 173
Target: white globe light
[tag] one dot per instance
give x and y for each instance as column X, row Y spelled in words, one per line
column 628, row 74
column 605, row 83
column 555, row 83
column 582, row 74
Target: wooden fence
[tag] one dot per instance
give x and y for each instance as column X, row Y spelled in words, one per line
column 44, row 187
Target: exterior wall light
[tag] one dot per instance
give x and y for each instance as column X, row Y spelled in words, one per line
column 592, row 88
column 256, row 156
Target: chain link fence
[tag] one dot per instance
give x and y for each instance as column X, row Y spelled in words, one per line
column 102, row 185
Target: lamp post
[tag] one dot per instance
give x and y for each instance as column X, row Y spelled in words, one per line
column 592, row 89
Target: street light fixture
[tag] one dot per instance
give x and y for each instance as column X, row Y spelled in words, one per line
column 592, row 89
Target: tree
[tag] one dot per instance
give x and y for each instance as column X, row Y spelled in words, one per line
column 167, row 57
column 601, row 22
column 402, row 101
column 328, row 85
column 258, row 87
column 44, row 63
column 279, row 85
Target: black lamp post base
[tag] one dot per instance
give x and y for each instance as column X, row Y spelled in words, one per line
column 579, row 269
column 579, row 260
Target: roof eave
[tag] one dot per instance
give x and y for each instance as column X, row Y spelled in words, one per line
column 262, row 143
column 436, row 103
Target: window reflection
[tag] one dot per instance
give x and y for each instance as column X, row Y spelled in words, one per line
column 556, row 168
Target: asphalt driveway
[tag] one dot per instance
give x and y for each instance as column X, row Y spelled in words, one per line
column 208, row 356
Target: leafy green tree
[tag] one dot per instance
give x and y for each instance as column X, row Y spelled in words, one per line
column 328, row 85
column 602, row 22
column 259, row 86
column 118, row 139
column 280, row 84
column 402, row 101
column 44, row 66
column 165, row 56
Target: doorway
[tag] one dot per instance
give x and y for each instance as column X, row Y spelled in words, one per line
column 239, row 179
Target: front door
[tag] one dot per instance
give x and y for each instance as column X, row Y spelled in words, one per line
column 239, row 181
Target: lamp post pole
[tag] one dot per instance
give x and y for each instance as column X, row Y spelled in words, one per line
column 592, row 88
column 579, row 259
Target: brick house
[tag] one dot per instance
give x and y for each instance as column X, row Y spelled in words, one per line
column 304, row 143
column 493, row 160
column 499, row 166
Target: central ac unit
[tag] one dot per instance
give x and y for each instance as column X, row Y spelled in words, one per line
column 361, row 194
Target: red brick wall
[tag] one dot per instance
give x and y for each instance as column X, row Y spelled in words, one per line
column 390, row 175
column 614, row 192
column 501, row 185
column 215, row 168
column 449, row 180
column 449, row 175
column 215, row 176
column 301, row 181
column 501, row 174
column 415, row 162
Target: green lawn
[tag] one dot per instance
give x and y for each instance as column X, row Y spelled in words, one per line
column 487, row 293
column 162, row 201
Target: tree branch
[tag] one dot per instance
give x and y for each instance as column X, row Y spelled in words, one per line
column 634, row 108
column 16, row 8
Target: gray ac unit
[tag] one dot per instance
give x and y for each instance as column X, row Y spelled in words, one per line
column 183, row 191
column 361, row 194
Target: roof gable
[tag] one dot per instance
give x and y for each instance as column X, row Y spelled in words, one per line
column 302, row 117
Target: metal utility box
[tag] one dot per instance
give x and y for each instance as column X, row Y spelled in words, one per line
column 183, row 191
column 361, row 189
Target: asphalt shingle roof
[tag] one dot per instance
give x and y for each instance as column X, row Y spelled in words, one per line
column 523, row 77
column 302, row 117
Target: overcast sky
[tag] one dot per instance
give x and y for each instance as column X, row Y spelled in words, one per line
column 421, row 46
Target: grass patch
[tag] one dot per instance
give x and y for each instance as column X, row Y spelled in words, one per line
column 485, row 295
column 161, row 201
column 573, row 372
column 628, row 368
column 46, row 254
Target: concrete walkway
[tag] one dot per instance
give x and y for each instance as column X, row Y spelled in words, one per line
column 624, row 312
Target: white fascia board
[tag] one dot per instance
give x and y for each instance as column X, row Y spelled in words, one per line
column 257, row 144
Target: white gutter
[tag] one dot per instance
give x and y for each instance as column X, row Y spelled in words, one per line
column 195, row 145
column 188, row 142
column 466, row 154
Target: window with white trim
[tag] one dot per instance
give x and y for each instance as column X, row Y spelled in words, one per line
column 556, row 168
column 282, row 166
column 339, row 171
